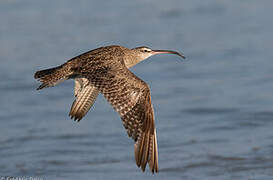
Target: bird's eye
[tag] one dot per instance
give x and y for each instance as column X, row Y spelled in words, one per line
column 145, row 50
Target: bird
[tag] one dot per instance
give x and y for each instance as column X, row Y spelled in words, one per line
column 105, row 70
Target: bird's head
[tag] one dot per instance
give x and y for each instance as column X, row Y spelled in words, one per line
column 145, row 52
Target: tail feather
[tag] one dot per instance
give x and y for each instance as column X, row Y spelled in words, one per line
column 45, row 72
column 51, row 77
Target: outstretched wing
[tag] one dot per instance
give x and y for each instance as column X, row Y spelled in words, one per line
column 86, row 95
column 130, row 97
column 140, row 125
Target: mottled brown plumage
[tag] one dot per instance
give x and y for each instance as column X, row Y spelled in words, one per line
column 105, row 70
column 86, row 95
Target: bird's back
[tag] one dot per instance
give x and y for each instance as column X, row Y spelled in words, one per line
column 104, row 55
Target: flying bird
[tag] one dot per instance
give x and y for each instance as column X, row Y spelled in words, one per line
column 106, row 70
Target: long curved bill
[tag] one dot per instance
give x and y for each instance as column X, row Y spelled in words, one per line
column 168, row 52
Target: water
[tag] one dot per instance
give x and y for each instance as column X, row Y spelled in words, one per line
column 213, row 111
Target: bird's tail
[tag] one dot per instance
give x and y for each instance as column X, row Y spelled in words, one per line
column 53, row 76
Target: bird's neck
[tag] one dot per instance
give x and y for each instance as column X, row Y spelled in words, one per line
column 130, row 62
column 131, row 59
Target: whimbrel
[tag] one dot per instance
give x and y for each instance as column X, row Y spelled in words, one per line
column 105, row 70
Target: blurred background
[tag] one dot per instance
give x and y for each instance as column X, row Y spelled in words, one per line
column 214, row 111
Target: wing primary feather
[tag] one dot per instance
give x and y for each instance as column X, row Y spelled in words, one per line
column 155, row 152
column 81, row 105
column 136, row 153
column 151, row 154
column 140, row 154
column 80, row 101
column 145, row 152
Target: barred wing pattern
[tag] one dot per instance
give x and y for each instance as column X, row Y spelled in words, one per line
column 86, row 95
column 130, row 97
